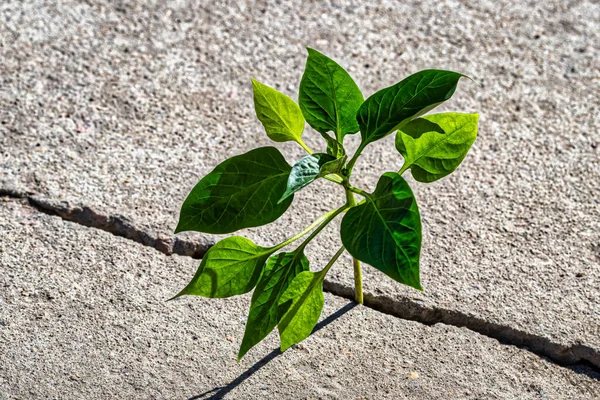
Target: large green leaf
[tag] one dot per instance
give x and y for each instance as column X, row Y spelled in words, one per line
column 391, row 108
column 281, row 269
column 280, row 115
column 434, row 145
column 231, row 267
column 299, row 308
column 328, row 97
column 241, row 192
column 309, row 168
column 385, row 231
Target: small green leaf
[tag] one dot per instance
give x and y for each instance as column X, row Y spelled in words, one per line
column 333, row 166
column 334, row 148
column 241, row 192
column 309, row 168
column 328, row 97
column 434, row 145
column 385, row 231
column 281, row 269
column 231, row 267
column 391, row 108
column 300, row 307
column 280, row 115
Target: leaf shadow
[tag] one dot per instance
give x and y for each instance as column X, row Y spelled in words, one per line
column 418, row 127
column 220, row 392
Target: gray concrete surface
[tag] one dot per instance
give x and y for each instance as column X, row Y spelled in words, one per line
column 83, row 316
column 123, row 106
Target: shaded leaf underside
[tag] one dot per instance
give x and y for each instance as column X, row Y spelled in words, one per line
column 309, row 168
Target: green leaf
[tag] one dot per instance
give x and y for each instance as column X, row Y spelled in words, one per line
column 281, row 269
column 434, row 145
column 309, row 168
column 241, row 192
column 231, row 267
column 334, row 148
column 300, row 307
column 333, row 166
column 391, row 108
column 280, row 115
column 385, row 231
column 328, row 97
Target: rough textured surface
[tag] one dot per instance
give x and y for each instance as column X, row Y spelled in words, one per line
column 122, row 106
column 83, row 315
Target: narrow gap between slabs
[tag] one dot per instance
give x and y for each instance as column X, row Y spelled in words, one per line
column 579, row 357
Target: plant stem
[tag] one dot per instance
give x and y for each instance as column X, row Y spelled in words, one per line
column 354, row 158
column 404, row 168
column 327, row 220
column 323, row 220
column 358, row 291
column 334, row 178
column 337, row 255
column 358, row 191
column 304, row 146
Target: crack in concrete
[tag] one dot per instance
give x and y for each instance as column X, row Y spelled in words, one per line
column 404, row 308
column 116, row 224
column 408, row 309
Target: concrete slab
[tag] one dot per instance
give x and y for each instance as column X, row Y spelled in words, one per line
column 83, row 315
column 122, row 107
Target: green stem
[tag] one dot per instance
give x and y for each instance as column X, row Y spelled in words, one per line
column 404, row 168
column 358, row 191
column 337, row 255
column 358, row 290
column 334, row 178
column 349, row 195
column 304, row 146
column 322, row 221
column 327, row 220
column 355, row 158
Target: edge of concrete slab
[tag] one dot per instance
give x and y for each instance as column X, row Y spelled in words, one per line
column 404, row 308
column 118, row 225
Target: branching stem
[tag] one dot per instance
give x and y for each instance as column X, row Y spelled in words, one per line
column 358, row 191
column 327, row 220
column 321, row 222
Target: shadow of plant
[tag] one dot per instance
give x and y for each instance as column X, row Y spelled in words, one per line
column 220, row 391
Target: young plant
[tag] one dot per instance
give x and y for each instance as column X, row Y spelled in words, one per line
column 255, row 188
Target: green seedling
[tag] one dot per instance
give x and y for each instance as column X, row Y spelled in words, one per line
column 255, row 188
